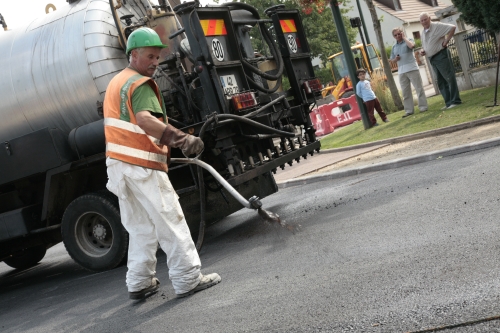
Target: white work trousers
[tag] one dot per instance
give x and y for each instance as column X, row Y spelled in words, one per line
column 151, row 213
column 412, row 77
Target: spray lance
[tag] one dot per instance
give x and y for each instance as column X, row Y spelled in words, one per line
column 252, row 203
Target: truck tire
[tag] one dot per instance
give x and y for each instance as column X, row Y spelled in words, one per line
column 28, row 258
column 92, row 232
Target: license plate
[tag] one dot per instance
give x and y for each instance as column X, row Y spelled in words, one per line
column 229, row 85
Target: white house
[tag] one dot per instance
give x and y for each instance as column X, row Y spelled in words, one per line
column 396, row 13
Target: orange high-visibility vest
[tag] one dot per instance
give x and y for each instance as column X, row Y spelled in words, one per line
column 125, row 140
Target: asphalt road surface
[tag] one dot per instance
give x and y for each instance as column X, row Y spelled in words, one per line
column 413, row 249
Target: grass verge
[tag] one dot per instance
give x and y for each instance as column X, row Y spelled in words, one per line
column 474, row 107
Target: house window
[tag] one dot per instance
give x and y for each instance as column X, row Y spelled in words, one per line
column 432, row 3
column 416, row 35
column 393, row 4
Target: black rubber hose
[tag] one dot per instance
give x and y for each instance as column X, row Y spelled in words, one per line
column 260, row 88
column 232, row 117
column 242, row 5
column 273, row 47
column 275, row 52
column 201, row 231
column 260, row 136
column 267, row 37
column 261, row 126
column 255, row 70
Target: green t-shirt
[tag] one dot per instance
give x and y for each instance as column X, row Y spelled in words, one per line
column 144, row 99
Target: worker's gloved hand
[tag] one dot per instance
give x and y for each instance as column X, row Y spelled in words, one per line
column 176, row 138
column 192, row 145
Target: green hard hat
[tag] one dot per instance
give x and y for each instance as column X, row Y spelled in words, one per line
column 143, row 37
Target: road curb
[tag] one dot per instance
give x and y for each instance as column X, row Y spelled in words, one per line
column 421, row 135
column 392, row 164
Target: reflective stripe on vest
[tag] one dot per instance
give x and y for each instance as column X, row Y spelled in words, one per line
column 137, row 153
column 125, row 140
column 128, row 127
column 130, row 151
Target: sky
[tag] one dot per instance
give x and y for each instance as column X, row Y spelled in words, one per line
column 18, row 13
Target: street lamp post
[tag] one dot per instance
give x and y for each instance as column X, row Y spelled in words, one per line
column 356, row 23
column 363, row 21
column 351, row 65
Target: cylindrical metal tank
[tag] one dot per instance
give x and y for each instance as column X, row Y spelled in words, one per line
column 55, row 69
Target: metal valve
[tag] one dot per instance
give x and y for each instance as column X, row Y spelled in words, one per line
column 255, row 202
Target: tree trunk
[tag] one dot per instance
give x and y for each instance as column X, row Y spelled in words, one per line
column 387, row 67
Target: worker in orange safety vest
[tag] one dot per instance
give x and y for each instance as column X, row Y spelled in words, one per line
column 138, row 138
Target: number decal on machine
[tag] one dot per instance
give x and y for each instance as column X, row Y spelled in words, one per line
column 292, row 44
column 229, row 85
column 217, row 49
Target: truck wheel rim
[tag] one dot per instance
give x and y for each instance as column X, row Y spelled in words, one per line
column 93, row 234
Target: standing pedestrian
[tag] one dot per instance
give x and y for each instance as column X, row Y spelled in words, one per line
column 365, row 92
column 435, row 39
column 138, row 139
column 408, row 72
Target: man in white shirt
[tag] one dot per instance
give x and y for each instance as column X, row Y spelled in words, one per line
column 435, row 38
column 408, row 73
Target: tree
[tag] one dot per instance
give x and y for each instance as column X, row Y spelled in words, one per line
column 324, row 74
column 480, row 13
column 387, row 68
column 319, row 28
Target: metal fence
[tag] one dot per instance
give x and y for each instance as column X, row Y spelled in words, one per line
column 482, row 49
column 452, row 48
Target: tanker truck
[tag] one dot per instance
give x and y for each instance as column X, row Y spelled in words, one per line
column 215, row 85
